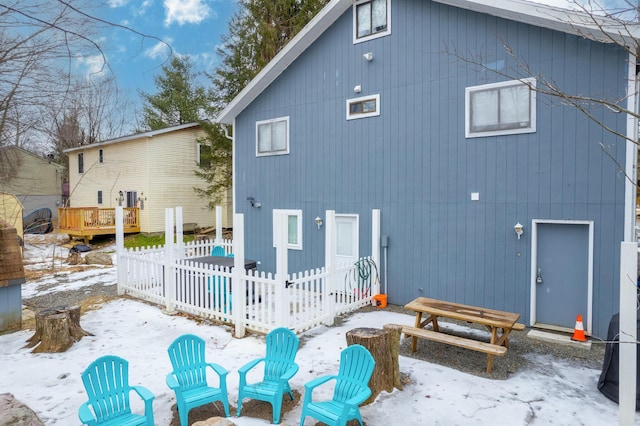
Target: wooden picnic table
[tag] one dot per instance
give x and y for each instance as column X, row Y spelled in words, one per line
column 499, row 323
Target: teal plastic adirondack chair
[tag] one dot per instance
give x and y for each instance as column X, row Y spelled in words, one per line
column 106, row 381
column 351, row 389
column 189, row 377
column 279, row 367
column 218, row 251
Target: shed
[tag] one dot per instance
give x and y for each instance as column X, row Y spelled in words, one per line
column 11, row 279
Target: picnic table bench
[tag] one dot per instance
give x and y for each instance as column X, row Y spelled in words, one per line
column 499, row 323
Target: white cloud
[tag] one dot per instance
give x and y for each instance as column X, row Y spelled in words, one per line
column 94, row 64
column 186, row 11
column 117, row 3
column 159, row 50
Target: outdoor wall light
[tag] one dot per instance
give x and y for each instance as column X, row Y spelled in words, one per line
column 120, row 198
column 357, row 89
column 519, row 229
column 254, row 203
column 368, row 56
column 141, row 200
column 319, row 221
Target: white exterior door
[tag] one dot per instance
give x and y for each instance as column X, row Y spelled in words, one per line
column 347, row 237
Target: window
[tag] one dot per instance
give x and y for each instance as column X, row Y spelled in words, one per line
column 504, row 108
column 80, row 163
column 371, row 19
column 100, row 156
column 294, row 228
column 365, row 106
column 272, row 137
column 99, row 197
column 204, row 156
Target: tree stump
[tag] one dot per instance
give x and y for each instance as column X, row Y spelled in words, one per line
column 381, row 343
column 56, row 330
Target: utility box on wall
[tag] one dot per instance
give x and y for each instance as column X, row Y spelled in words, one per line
column 11, row 279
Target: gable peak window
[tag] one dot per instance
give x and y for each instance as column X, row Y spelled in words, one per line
column 272, row 137
column 504, row 108
column 371, row 19
column 81, row 163
column 100, row 156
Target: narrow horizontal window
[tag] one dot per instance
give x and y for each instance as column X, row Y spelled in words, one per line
column 365, row 106
column 504, row 108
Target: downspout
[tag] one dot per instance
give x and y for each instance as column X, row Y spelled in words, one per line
column 233, row 164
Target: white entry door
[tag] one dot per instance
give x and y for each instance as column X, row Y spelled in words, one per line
column 347, row 237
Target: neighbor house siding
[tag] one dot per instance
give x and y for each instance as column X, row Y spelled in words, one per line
column 160, row 169
column 414, row 163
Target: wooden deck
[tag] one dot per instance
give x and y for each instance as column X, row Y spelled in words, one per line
column 87, row 222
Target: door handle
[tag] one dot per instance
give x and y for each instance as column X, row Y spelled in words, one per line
column 539, row 277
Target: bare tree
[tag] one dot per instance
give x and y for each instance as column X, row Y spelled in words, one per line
column 40, row 42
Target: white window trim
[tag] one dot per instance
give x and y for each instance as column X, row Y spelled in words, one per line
column 289, row 212
column 531, row 82
column 376, row 113
column 273, row 120
column 357, row 40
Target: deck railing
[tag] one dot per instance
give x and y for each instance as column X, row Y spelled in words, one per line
column 86, row 222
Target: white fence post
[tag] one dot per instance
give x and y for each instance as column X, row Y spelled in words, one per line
column 121, row 267
column 179, row 234
column 282, row 268
column 329, row 288
column 239, row 276
column 375, row 247
column 169, row 276
column 218, row 240
column 628, row 332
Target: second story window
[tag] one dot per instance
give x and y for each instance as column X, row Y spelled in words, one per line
column 99, row 197
column 272, row 137
column 80, row 163
column 100, row 156
column 371, row 19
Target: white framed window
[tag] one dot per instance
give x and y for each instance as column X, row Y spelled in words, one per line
column 294, row 228
column 371, row 19
column 362, row 107
column 81, row 163
column 272, row 137
column 100, row 198
column 100, row 156
column 504, row 108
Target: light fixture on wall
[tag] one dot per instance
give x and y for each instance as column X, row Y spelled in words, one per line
column 120, row 198
column 357, row 89
column 519, row 229
column 141, row 200
column 254, row 203
column 368, row 56
column 319, row 221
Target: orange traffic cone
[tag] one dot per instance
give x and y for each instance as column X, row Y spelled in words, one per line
column 578, row 332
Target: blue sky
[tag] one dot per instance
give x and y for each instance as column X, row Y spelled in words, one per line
column 190, row 27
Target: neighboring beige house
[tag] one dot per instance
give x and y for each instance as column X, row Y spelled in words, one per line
column 152, row 170
column 36, row 181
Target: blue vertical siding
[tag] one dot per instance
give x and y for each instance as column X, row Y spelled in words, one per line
column 414, row 163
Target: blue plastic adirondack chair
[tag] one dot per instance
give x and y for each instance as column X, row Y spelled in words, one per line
column 189, row 377
column 218, row 251
column 279, row 368
column 351, row 389
column 106, row 381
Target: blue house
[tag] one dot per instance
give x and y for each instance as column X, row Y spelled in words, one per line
column 491, row 192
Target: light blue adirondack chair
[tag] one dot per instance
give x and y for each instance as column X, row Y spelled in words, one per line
column 106, row 381
column 189, row 377
column 218, row 251
column 351, row 389
column 279, row 367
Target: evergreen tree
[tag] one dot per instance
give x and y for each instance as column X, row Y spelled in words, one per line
column 179, row 100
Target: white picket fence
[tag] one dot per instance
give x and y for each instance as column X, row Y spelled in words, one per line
column 250, row 299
